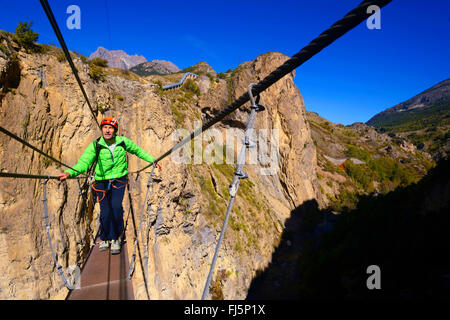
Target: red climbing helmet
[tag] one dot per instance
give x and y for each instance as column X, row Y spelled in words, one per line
column 111, row 121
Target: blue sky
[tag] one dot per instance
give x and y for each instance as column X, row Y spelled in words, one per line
column 361, row 74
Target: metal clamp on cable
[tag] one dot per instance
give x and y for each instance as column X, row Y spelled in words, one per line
column 232, row 190
column 258, row 107
column 152, row 173
column 254, row 105
column 241, row 175
column 44, row 200
column 249, row 144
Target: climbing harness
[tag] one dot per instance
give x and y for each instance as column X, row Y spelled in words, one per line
column 99, row 191
column 94, row 183
column 111, row 184
column 238, row 175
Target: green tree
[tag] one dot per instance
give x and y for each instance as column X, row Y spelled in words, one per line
column 25, row 36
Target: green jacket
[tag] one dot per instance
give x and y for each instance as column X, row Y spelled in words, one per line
column 109, row 166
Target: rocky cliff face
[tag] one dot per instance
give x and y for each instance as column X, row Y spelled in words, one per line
column 154, row 67
column 424, row 120
column 381, row 161
column 201, row 68
column 285, row 113
column 49, row 112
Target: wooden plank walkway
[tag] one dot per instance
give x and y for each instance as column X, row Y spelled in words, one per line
column 103, row 277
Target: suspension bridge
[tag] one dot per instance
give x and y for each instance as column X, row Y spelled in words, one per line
column 104, row 276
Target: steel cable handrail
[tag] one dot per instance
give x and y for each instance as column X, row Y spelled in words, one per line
column 338, row 29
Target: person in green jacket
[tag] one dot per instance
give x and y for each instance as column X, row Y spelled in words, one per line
column 110, row 178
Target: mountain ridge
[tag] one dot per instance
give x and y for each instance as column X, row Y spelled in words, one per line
column 435, row 94
column 424, row 119
column 117, row 58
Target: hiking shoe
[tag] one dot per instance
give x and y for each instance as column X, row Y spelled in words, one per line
column 115, row 247
column 104, row 245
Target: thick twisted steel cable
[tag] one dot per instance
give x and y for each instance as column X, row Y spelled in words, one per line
column 338, row 29
column 29, row 176
column 58, row 34
column 15, row 137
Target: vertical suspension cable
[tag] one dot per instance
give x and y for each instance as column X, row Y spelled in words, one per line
column 338, row 29
column 238, row 175
column 47, row 229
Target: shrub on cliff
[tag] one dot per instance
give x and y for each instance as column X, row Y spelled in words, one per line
column 25, row 36
column 190, row 86
column 98, row 62
column 3, row 49
column 96, row 73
